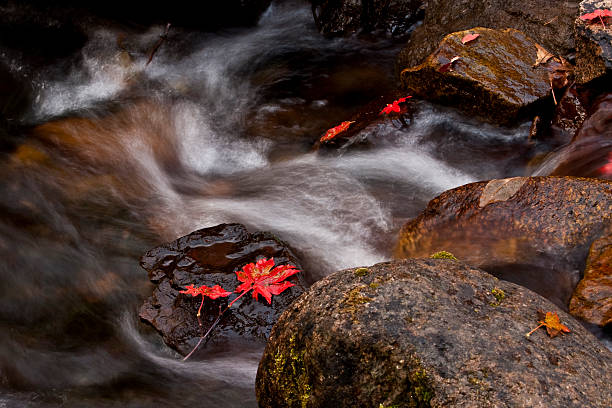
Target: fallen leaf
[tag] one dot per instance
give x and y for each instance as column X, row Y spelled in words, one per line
column 264, row 279
column 213, row 293
column 449, row 65
column 542, row 55
column 394, row 107
column 333, row 132
column 599, row 13
column 552, row 323
column 469, row 37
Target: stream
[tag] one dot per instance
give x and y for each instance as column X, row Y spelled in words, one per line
column 218, row 128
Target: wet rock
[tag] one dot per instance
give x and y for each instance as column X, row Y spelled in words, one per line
column 589, row 150
column 570, row 113
column 548, row 23
column 592, row 299
column 427, row 333
column 533, row 231
column 342, row 17
column 363, row 130
column 494, row 76
column 593, row 44
column 210, row 256
column 599, row 123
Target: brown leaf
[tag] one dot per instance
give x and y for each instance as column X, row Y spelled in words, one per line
column 542, row 55
column 552, row 323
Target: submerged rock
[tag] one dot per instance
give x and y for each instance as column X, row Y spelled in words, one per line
column 427, row 333
column 210, row 256
column 394, row 17
column 548, row 23
column 593, row 44
column 493, row 76
column 592, row 299
column 533, row 231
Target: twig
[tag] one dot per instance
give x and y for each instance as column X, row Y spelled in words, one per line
column 551, row 20
column 221, row 313
column 552, row 90
column 163, row 37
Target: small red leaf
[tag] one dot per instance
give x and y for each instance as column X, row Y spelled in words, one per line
column 394, row 107
column 469, row 37
column 599, row 13
column 213, row 293
column 335, row 131
column 449, row 66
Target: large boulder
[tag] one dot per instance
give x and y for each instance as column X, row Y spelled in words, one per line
column 210, row 256
column 549, row 23
column 593, row 44
column 427, row 333
column 342, row 17
column 494, row 76
column 592, row 299
column 533, row 231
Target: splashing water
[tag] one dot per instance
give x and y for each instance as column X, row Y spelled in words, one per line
column 217, row 129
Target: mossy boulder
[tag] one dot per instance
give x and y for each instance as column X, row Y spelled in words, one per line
column 494, row 76
column 592, row 299
column 549, row 23
column 427, row 333
column 593, row 44
column 534, row 231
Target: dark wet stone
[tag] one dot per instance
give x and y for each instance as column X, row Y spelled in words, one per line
column 362, row 132
column 548, row 23
column 210, row 256
column 592, row 299
column 589, row 150
column 342, row 17
column 593, row 44
column 493, row 78
column 533, row 231
column 427, row 333
column 570, row 113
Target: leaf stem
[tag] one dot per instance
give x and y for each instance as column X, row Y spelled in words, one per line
column 529, row 334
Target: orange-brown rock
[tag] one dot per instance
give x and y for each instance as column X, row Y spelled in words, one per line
column 534, row 231
column 494, row 76
column 592, row 299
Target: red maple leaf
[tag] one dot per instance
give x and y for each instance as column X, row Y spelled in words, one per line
column 469, row 37
column 599, row 13
column 264, row 279
column 213, row 293
column 333, row 132
column 394, row 107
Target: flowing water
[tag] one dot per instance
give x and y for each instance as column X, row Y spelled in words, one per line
column 218, row 128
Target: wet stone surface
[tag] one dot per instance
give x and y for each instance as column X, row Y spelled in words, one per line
column 427, row 333
column 592, row 299
column 492, row 77
column 533, row 231
column 548, row 23
column 210, row 256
